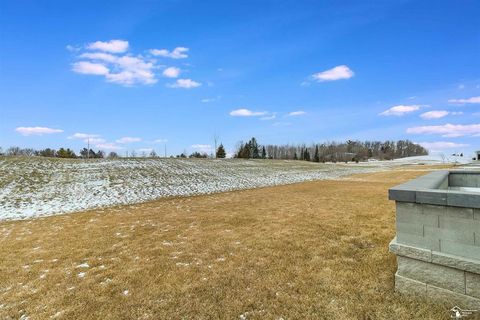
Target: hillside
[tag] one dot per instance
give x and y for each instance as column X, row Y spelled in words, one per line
column 33, row 187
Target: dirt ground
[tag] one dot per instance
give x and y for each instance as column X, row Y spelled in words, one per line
column 314, row 250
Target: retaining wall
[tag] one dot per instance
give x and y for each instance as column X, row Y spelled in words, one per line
column 438, row 237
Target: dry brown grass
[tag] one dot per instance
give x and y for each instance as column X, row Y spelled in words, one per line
column 291, row 252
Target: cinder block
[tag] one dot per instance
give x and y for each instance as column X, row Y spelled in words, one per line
column 409, row 286
column 472, row 284
column 449, row 234
column 409, row 251
column 454, row 298
column 460, row 180
column 408, row 207
column 476, row 214
column 410, row 228
column 417, row 218
column 418, row 241
column 457, row 212
column 429, row 273
column 464, row 225
column 429, row 209
column 460, row 249
column 455, row 261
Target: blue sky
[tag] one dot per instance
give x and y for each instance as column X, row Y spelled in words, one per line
column 134, row 75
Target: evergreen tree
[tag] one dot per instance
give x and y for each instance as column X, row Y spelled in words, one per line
column 221, row 152
column 264, row 153
column 316, row 158
column 254, row 152
column 295, row 156
column 306, row 155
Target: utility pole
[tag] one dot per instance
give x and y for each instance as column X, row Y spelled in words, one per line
column 215, row 139
column 88, row 148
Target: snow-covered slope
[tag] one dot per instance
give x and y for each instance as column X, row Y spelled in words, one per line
column 31, row 187
column 434, row 159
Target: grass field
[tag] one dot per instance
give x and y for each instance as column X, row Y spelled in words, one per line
column 287, row 252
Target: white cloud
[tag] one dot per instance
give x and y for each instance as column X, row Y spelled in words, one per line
column 441, row 145
column 146, row 150
column 205, row 100
column 88, row 138
column 246, row 113
column 171, row 72
column 472, row 100
column 185, row 84
column 83, row 136
column 114, row 46
column 160, row 141
column 72, row 48
column 271, row 117
column 128, row 140
column 336, row 73
column 108, row 146
column 448, row 130
column 86, row 67
column 125, row 69
column 36, row 131
column 436, row 114
column 296, row 113
column 177, row 53
column 400, row 110
column 202, row 148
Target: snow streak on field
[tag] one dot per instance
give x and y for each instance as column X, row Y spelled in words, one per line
column 31, row 187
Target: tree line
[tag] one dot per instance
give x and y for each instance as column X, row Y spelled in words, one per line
column 350, row 150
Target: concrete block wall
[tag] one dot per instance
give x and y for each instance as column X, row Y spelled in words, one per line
column 452, row 230
column 438, row 237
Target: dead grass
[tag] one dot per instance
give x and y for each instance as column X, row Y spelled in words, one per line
column 314, row 250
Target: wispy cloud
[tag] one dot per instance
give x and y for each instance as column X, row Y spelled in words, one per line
column 242, row 112
column 472, row 100
column 36, row 131
column 82, row 136
column 270, row 117
column 125, row 140
column 93, row 139
column 296, row 113
column 202, row 148
column 435, row 114
column 337, row 73
column 114, row 46
column 160, row 141
column 448, row 130
column 442, row 145
column 177, row 53
column 400, row 110
column 171, row 72
column 108, row 146
column 206, row 100
column 185, row 84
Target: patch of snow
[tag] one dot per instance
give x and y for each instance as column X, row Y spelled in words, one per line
column 34, row 187
column 81, row 274
column 83, row 265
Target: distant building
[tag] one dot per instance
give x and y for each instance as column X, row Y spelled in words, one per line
column 477, row 153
